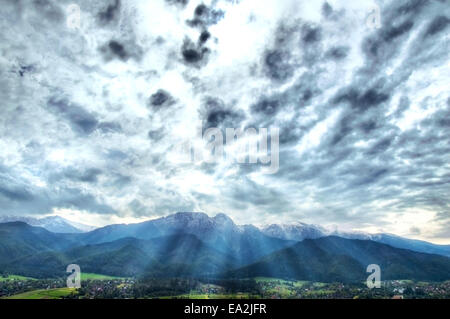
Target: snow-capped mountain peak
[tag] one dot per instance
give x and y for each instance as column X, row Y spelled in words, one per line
column 297, row 231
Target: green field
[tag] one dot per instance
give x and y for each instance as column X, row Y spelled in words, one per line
column 44, row 294
column 15, row 277
column 90, row 276
column 271, row 287
column 296, row 283
column 84, row 276
column 283, row 288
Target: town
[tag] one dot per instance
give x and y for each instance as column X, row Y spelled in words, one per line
column 105, row 287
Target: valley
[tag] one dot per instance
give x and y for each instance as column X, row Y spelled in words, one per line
column 256, row 288
column 192, row 255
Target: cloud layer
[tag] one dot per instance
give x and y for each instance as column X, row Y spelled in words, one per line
column 92, row 117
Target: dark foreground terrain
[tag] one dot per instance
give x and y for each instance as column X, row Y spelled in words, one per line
column 100, row 287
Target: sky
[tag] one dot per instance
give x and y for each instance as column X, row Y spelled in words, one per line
column 100, row 98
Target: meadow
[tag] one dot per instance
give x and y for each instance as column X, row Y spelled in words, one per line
column 56, row 293
column 15, row 277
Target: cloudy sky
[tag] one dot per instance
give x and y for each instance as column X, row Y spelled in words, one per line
column 93, row 110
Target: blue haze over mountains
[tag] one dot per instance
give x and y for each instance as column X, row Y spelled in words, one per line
column 196, row 245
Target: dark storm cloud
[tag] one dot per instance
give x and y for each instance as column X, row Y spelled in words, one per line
column 191, row 55
column 327, row 10
column 115, row 49
column 24, row 69
column 116, row 155
column 182, row 3
column 81, row 121
column 338, row 53
column 120, row 181
column 293, row 100
column 205, row 16
column 194, row 54
column 311, row 34
column 160, row 99
column 204, row 36
column 361, row 101
column 370, row 176
column 87, row 176
column 368, row 126
column 247, row 194
column 122, row 49
column 118, row 49
column 76, row 198
column 111, row 12
column 380, row 146
column 439, row 24
column 156, row 135
column 49, row 9
column 17, row 196
column 277, row 65
column 393, row 32
column 410, row 7
column 290, row 133
column 267, row 106
column 218, row 115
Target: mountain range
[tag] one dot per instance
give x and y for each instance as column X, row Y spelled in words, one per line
column 54, row 224
column 196, row 245
column 345, row 260
column 293, row 232
column 301, row 231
